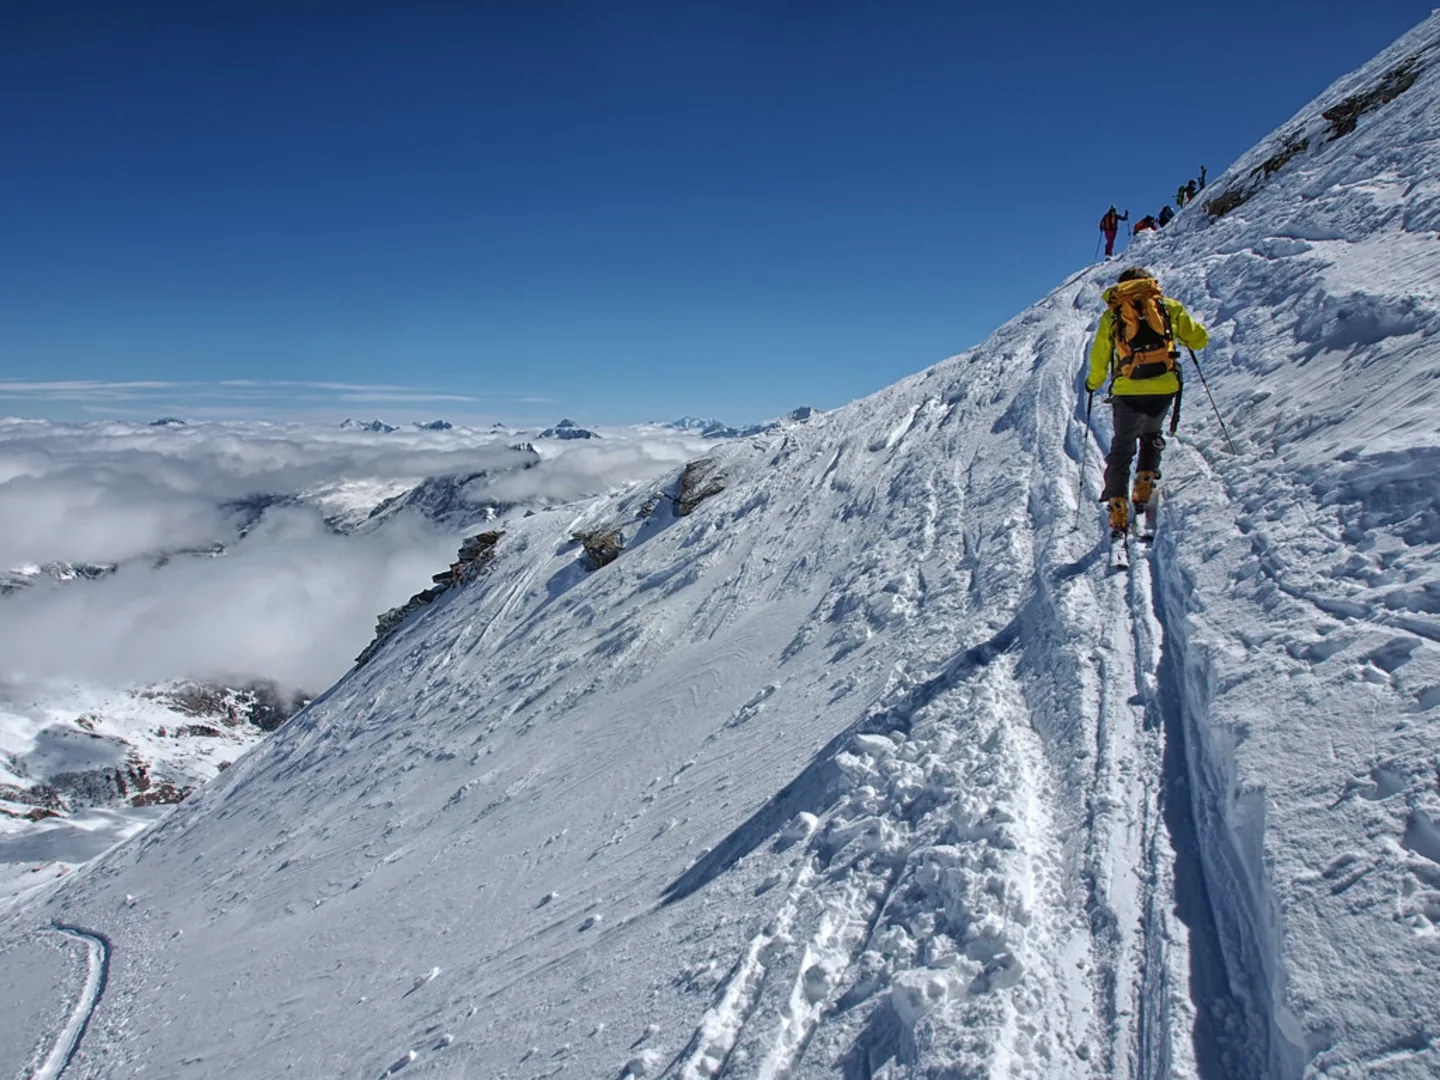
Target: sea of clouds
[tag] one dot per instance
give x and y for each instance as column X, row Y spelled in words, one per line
column 290, row 599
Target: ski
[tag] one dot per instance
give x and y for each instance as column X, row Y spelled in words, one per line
column 1119, row 550
column 1146, row 517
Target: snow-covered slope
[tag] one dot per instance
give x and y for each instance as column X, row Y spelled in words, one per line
column 865, row 767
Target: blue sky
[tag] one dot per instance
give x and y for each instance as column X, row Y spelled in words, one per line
column 617, row 211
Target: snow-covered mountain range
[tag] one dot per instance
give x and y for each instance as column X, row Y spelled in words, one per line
column 852, row 759
column 716, row 429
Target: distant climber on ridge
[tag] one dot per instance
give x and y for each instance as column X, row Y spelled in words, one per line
column 1110, row 225
column 1145, row 223
column 1135, row 348
column 1166, row 215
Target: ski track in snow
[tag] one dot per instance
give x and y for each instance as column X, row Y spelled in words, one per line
column 867, row 767
column 889, row 869
column 96, row 976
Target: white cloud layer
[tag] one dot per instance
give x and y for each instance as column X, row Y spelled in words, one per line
column 292, row 600
column 108, row 492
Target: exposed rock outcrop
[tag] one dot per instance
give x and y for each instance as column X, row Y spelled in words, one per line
column 701, row 480
column 45, row 800
column 128, row 783
column 91, row 761
column 261, row 703
column 1341, row 120
column 602, row 546
column 473, row 559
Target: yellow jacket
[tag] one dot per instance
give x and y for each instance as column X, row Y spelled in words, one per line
column 1187, row 332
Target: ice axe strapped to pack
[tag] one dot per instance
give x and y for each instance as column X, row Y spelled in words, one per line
column 1142, row 338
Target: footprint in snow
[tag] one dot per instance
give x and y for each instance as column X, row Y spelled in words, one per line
column 396, row 1066
column 752, row 708
column 421, row 980
column 644, row 1064
column 801, row 827
column 769, row 883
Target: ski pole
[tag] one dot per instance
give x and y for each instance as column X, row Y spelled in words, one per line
column 1211, row 396
column 1096, row 257
column 1084, row 455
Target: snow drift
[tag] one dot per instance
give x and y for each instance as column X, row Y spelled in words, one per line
column 855, row 762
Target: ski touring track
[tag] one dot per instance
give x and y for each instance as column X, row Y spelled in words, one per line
column 96, row 977
column 1177, row 1005
column 878, row 864
column 1014, row 860
column 1197, row 989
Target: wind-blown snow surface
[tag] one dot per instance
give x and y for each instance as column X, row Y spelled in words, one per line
column 867, row 768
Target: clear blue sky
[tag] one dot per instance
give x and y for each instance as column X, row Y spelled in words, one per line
column 616, row 210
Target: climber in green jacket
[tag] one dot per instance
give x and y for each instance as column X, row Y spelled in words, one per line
column 1135, row 348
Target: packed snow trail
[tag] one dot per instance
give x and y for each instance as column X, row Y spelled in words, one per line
column 857, row 762
column 97, row 973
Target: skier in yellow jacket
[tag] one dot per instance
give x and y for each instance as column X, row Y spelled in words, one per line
column 1135, row 348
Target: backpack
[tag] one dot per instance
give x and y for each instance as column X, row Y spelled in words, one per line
column 1143, row 342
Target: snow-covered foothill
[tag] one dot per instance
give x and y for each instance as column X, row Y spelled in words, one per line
column 990, row 811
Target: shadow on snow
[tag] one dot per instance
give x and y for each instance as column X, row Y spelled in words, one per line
column 817, row 788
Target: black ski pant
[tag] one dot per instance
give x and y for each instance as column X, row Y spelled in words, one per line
column 1138, row 420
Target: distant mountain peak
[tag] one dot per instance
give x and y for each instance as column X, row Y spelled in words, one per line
column 360, row 425
column 567, row 429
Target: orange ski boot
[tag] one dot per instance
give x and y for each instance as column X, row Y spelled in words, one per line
column 1144, row 486
column 1119, row 515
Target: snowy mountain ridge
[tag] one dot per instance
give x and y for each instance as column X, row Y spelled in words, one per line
column 716, row 429
column 861, row 764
